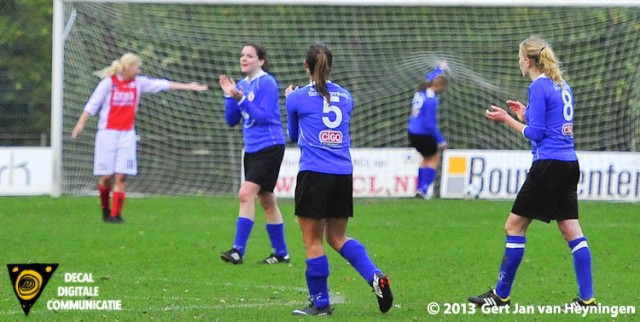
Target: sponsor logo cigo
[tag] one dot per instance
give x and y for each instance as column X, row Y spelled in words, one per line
column 330, row 137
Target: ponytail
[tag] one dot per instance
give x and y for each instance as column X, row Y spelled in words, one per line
column 118, row 65
column 549, row 65
column 320, row 60
column 543, row 58
column 320, row 75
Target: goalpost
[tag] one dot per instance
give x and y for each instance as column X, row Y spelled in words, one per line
column 382, row 50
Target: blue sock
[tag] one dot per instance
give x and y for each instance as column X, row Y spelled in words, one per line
column 317, row 274
column 276, row 235
column 513, row 253
column 420, row 182
column 357, row 256
column 582, row 267
column 425, row 178
column 243, row 230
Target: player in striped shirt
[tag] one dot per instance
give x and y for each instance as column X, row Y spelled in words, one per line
column 116, row 98
column 550, row 189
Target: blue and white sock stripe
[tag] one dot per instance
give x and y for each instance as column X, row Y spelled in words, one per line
column 516, row 241
column 578, row 244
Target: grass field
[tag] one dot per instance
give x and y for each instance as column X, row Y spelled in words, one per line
column 163, row 263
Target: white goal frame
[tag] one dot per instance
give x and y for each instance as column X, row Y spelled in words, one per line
column 61, row 27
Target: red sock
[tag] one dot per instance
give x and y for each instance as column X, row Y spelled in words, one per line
column 104, row 195
column 118, row 202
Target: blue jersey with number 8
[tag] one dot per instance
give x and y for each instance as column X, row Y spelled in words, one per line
column 549, row 118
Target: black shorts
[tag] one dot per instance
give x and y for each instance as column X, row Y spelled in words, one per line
column 321, row 195
column 549, row 192
column 427, row 145
column 263, row 167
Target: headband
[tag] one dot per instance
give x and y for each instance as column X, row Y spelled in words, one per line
column 434, row 73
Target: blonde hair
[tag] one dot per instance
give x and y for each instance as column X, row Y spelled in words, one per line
column 127, row 60
column 542, row 56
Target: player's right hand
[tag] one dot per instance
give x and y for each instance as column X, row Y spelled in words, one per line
column 77, row 130
column 496, row 113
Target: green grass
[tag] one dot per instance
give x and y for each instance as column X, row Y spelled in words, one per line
column 163, row 262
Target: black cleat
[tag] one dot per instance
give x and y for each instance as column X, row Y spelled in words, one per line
column 313, row 310
column 115, row 220
column 275, row 259
column 489, row 299
column 578, row 302
column 423, row 195
column 578, row 305
column 106, row 213
column 232, row 256
column 383, row 292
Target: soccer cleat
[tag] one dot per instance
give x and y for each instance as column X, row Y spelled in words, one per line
column 313, row 310
column 578, row 302
column 115, row 220
column 232, row 256
column 275, row 259
column 423, row 195
column 489, row 299
column 383, row 292
column 106, row 213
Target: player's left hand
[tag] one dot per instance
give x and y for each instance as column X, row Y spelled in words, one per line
column 289, row 89
column 195, row 86
column 518, row 108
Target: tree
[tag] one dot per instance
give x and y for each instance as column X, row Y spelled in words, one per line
column 25, row 70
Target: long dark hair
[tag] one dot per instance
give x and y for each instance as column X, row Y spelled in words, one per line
column 262, row 54
column 320, row 59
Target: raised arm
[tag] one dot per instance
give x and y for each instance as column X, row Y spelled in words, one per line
column 193, row 86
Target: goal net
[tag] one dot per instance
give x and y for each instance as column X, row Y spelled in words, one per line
column 381, row 52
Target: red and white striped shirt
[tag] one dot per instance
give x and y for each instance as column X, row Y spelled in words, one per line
column 118, row 100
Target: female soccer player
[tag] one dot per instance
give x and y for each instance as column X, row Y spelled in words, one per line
column 423, row 131
column 253, row 101
column 550, row 189
column 117, row 97
column 318, row 120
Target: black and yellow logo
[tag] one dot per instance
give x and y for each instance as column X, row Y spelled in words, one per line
column 28, row 281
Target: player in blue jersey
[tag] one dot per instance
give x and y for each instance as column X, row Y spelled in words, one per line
column 318, row 121
column 253, row 103
column 550, row 189
column 423, row 131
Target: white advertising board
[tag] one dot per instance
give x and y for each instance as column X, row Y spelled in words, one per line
column 25, row 171
column 389, row 172
column 491, row 174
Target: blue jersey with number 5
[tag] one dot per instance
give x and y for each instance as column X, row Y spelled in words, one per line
column 549, row 118
column 321, row 128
